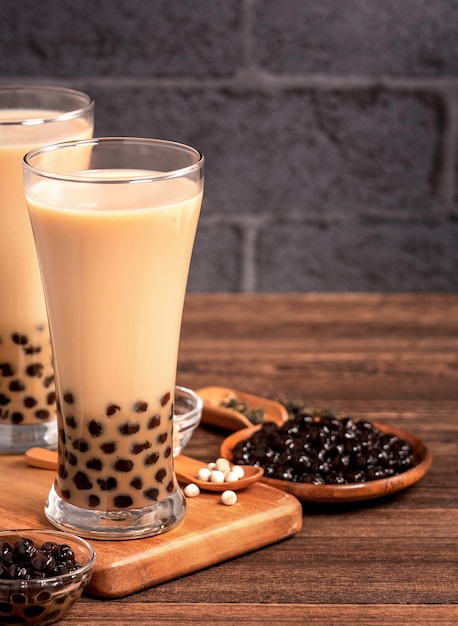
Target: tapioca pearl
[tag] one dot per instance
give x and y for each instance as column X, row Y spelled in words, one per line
column 129, row 428
column 171, row 413
column 140, row 406
column 162, row 438
column 62, row 471
column 62, row 435
column 123, row 465
column 93, row 501
column 35, row 370
column 160, row 475
column 136, row 448
column 51, row 398
column 32, row 350
column 69, row 398
column 95, row 464
column 48, row 381
column 66, row 494
column 152, row 494
column 82, row 481
column 112, row 409
column 167, row 452
column 107, row 484
column 16, row 385
column 4, row 400
column 7, row 369
column 81, row 445
column 109, row 447
column 17, row 417
column 165, row 398
column 136, row 483
column 95, row 428
column 70, row 421
column 152, row 459
column 123, row 501
column 42, row 414
column 30, row 402
column 19, row 339
column 154, row 422
column 170, row 487
column 71, row 458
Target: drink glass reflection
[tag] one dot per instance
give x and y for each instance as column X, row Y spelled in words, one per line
column 114, row 221
column 29, row 117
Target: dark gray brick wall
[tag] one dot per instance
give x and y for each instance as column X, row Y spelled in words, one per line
column 329, row 126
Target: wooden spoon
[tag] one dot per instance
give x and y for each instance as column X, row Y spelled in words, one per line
column 230, row 419
column 186, row 470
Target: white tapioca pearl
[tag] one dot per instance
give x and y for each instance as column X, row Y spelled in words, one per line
column 222, row 464
column 217, row 476
column 230, row 477
column 238, row 469
column 191, row 490
column 228, row 497
column 204, row 474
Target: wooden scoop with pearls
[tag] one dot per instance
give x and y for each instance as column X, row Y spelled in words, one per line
column 186, row 470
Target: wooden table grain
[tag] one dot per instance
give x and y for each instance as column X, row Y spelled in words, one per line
column 389, row 358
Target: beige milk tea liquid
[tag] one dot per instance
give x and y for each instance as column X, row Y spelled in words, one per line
column 115, row 290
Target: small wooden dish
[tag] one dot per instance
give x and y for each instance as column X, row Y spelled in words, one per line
column 345, row 493
column 230, row 419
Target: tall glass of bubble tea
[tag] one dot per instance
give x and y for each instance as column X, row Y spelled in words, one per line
column 29, row 117
column 114, row 221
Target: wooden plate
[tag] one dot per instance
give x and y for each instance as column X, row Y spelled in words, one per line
column 346, row 493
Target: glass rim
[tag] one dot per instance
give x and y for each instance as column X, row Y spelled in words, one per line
column 134, row 178
column 74, row 113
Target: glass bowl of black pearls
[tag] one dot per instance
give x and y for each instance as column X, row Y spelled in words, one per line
column 187, row 416
column 42, row 574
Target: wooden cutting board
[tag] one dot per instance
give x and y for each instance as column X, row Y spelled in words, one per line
column 210, row 533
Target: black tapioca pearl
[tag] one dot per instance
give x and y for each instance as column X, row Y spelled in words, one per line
column 107, row 484
column 170, row 487
column 70, row 421
column 51, row 398
column 19, row 339
column 123, row 465
column 95, row 464
column 136, row 448
column 30, row 402
column 123, row 501
column 136, row 483
column 162, row 438
column 35, row 370
column 62, row 435
column 111, row 409
column 71, row 458
column 32, row 349
column 81, row 445
column 95, row 428
column 4, row 400
column 108, row 447
column 66, row 493
column 140, row 407
column 61, row 471
column 165, row 398
column 171, row 413
column 48, row 381
column 154, row 422
column 129, row 428
column 42, row 414
column 82, row 481
column 152, row 493
column 167, row 452
column 4, row 414
column 6, row 369
column 160, row 475
column 93, row 501
column 17, row 417
column 69, row 398
column 16, row 385
column 151, row 459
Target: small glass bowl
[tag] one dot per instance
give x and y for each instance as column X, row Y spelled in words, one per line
column 41, row 601
column 188, row 413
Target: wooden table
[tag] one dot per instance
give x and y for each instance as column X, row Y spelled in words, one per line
column 390, row 358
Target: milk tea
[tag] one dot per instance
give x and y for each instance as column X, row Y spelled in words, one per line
column 116, row 274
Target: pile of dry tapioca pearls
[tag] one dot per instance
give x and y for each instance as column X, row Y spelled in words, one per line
column 220, row 471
